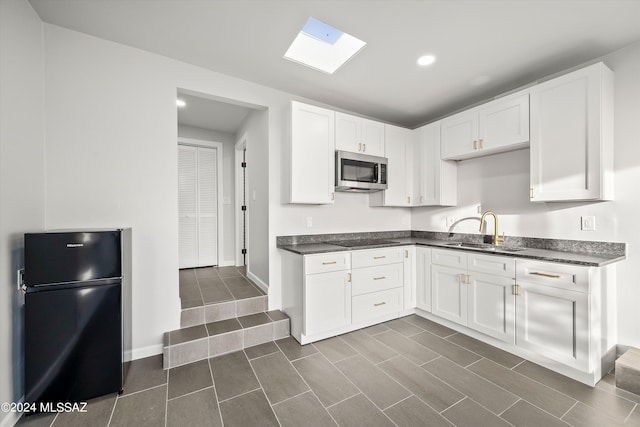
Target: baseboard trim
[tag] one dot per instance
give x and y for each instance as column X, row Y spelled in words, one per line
column 140, row 353
column 255, row 279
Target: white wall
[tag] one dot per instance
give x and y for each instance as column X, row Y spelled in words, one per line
column 226, row 253
column 501, row 183
column 21, row 177
column 113, row 163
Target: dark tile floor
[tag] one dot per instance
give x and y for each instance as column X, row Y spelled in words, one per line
column 209, row 285
column 406, row 372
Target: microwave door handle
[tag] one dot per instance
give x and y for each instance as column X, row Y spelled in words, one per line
column 375, row 173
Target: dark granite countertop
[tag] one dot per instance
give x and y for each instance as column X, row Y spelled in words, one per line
column 593, row 254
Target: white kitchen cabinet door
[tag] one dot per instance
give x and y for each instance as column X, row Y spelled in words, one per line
column 359, row 135
column 504, row 123
column 423, row 278
column 553, row 323
column 459, row 135
column 409, row 277
column 436, row 180
column 327, row 302
column 399, row 154
column 494, row 127
column 311, row 155
column 492, row 306
column 449, row 293
column 572, row 136
column 197, row 206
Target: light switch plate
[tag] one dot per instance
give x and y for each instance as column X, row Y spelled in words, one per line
column 588, row 223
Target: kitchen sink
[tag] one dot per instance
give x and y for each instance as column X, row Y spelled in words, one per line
column 485, row 247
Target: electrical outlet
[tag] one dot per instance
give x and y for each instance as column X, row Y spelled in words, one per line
column 588, row 223
column 309, row 222
column 479, row 209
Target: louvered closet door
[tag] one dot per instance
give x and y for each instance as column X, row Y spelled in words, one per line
column 197, row 210
column 207, row 207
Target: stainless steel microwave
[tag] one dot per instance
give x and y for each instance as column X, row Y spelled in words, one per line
column 360, row 172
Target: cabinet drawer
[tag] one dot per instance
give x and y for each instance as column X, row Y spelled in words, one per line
column 369, row 258
column 378, row 278
column 449, row 258
column 561, row 276
column 376, row 304
column 490, row 264
column 334, row 261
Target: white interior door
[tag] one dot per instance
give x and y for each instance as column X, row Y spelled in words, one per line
column 198, row 206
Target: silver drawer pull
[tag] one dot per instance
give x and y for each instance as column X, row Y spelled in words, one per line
column 379, row 304
column 553, row 276
column 379, row 257
column 379, row 278
column 329, row 262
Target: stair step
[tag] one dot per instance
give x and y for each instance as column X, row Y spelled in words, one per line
column 210, row 294
column 202, row 341
column 628, row 371
column 222, row 311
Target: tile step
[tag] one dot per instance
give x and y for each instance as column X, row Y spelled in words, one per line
column 222, row 311
column 202, row 341
column 628, row 371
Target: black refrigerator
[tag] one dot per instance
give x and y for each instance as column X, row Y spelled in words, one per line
column 74, row 342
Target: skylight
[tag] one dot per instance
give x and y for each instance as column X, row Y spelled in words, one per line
column 322, row 47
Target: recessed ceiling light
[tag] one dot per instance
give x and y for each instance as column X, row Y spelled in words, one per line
column 180, row 103
column 425, row 60
column 322, row 47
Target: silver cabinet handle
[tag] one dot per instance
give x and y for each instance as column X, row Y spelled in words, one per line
column 349, row 277
column 379, row 304
column 360, row 146
column 364, row 147
column 329, row 262
column 380, row 257
column 379, row 278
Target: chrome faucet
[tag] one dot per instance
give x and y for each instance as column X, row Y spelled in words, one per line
column 496, row 238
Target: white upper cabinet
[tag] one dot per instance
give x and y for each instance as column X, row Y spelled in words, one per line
column 311, row 155
column 399, row 144
column 497, row 126
column 359, row 135
column 572, row 136
column 436, row 180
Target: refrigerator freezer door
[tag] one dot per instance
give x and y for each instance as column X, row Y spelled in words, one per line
column 79, row 256
column 73, row 343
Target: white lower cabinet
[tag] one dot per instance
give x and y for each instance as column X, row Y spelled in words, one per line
column 327, row 302
column 552, row 309
column 561, row 316
column 376, row 304
column 377, row 283
column 474, row 290
column 490, row 303
column 449, row 293
column 332, row 293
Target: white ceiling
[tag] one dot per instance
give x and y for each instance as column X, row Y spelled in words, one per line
column 505, row 43
column 207, row 114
